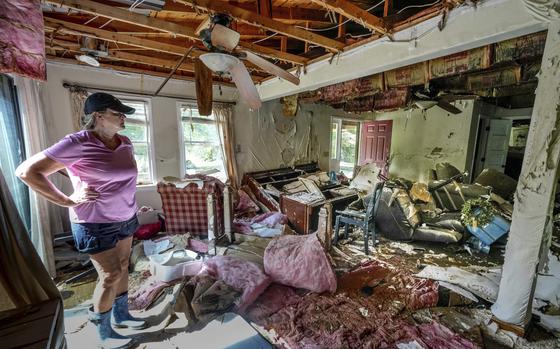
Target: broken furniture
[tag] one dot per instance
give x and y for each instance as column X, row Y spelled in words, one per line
column 364, row 220
column 194, row 205
column 261, row 183
column 303, row 208
column 399, row 219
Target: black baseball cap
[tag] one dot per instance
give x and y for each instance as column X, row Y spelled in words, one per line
column 100, row 101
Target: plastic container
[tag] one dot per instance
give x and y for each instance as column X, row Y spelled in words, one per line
column 492, row 231
column 174, row 265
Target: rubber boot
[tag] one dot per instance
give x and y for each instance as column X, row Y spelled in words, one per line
column 121, row 318
column 108, row 338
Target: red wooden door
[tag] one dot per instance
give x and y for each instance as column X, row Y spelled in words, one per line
column 376, row 143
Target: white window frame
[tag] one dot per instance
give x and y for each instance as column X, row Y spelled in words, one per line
column 182, row 169
column 339, row 121
column 149, row 135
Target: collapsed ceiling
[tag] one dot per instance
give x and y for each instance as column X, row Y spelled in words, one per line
column 150, row 36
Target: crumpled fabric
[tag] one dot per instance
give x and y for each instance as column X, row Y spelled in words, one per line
column 301, row 262
column 244, row 276
column 22, row 43
column 208, row 298
column 265, row 225
column 147, row 293
column 245, row 205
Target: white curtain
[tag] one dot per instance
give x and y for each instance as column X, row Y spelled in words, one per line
column 46, row 219
column 224, row 121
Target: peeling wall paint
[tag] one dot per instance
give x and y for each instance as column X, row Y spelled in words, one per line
column 419, row 143
column 266, row 139
column 531, row 227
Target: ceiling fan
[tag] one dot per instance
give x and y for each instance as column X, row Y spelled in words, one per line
column 226, row 59
column 428, row 98
column 92, row 50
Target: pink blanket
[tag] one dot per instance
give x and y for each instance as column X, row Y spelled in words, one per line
column 244, row 276
column 22, row 44
column 301, row 262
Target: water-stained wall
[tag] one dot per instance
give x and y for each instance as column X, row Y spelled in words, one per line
column 266, row 139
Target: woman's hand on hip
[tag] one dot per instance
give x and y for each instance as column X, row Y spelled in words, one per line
column 83, row 195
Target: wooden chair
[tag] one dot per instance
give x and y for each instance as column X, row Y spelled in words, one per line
column 363, row 219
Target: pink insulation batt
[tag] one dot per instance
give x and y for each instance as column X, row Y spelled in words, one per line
column 244, row 276
column 299, row 261
column 22, row 43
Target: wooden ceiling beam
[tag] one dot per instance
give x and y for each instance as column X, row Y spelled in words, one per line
column 354, row 13
column 127, row 69
column 122, row 15
column 79, row 29
column 252, row 18
column 264, row 8
column 278, row 12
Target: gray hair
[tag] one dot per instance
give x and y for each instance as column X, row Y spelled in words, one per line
column 89, row 121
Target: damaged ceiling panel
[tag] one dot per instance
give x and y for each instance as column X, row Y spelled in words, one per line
column 489, row 71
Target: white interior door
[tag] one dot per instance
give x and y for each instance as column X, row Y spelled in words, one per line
column 494, row 145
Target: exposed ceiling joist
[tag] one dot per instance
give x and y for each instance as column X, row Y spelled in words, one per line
column 279, row 13
column 355, row 13
column 249, row 17
column 122, row 15
column 128, row 69
column 264, row 8
column 79, row 29
column 122, row 56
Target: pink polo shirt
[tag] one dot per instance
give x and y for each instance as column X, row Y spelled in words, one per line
column 112, row 173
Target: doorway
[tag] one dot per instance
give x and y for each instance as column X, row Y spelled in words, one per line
column 376, row 143
column 344, row 146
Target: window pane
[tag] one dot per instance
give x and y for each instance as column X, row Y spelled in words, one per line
column 348, row 142
column 198, row 132
column 203, row 157
column 11, row 143
column 142, row 162
column 140, row 106
column 136, row 132
column 190, row 112
column 334, row 139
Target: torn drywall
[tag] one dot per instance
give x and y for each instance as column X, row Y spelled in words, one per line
column 267, row 139
column 419, row 143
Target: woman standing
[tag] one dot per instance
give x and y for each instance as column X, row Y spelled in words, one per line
column 101, row 166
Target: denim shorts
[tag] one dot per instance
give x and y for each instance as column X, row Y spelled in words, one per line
column 92, row 238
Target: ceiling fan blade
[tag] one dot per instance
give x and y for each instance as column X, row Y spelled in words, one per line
column 203, row 25
column 271, row 68
column 424, row 104
column 224, row 37
column 448, row 107
column 203, row 79
column 245, row 85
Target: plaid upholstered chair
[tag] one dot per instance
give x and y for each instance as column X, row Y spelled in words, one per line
column 186, row 205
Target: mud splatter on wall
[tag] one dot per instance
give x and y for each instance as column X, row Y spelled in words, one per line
column 419, row 143
column 266, row 139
